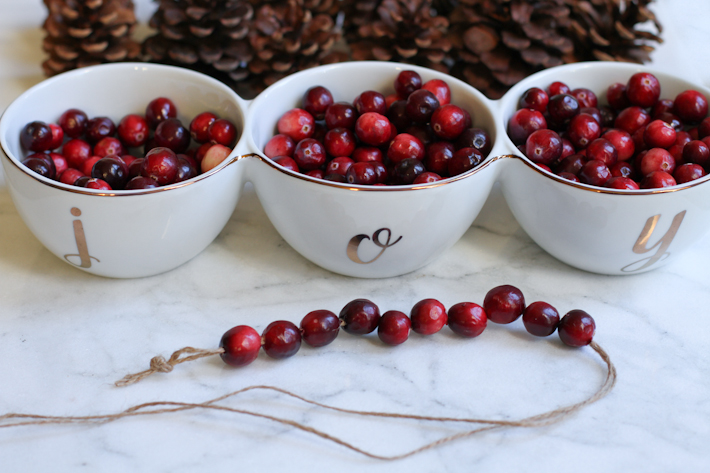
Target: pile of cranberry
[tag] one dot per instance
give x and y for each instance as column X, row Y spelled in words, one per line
column 412, row 136
column 638, row 141
column 141, row 152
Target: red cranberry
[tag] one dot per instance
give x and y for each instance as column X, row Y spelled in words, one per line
column 543, row 146
column 339, row 165
column 603, row 150
column 534, row 98
column 562, row 108
column 57, row 136
column 318, row 174
column 281, row 339
column 569, row 176
column 622, row 169
column 643, row 89
column 691, row 106
column 622, row 142
column 616, row 96
column 428, row 316
column 421, row 105
column 595, row 173
column 73, row 122
column 405, row 146
column 309, row 154
column 360, row 317
column 448, row 122
column 557, row 88
column 279, row 145
column 222, row 132
column 366, row 154
column 688, row 172
column 98, row 128
column 140, row 182
column 373, row 129
column 440, row 89
column 241, row 345
column 316, row 101
column 98, row 184
column 340, row 142
column 287, row 162
column 659, row 134
column 296, row 123
column 319, row 328
column 36, row 136
column 541, row 319
column 583, row 129
column 571, row 164
column 160, row 164
column 463, row 160
column 107, row 146
column 467, row 319
column 407, row 82
column 657, row 159
column 370, row 101
column 60, row 164
column 672, row 120
column 76, row 151
column 504, row 304
column 631, row 119
column 437, row 157
column 585, row 97
column 523, row 123
column 159, row 109
column 657, row 180
column 362, row 173
column 621, row 183
column 112, row 170
column 427, row 178
column 576, row 329
column 200, row 125
column 697, row 152
column 133, row 130
column 394, row 327
column 88, row 165
column 70, row 176
column 341, row 114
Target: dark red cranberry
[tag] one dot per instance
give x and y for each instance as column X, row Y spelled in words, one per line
column 467, row 319
column 448, row 122
column 504, row 304
column 595, row 173
column 370, row 101
column 616, row 96
column 660, row 107
column 656, row 159
column 360, row 317
column 557, row 88
column 576, row 329
column 422, row 132
column 594, row 112
column 279, row 145
column 671, row 120
column 296, row 123
column 534, row 98
column 407, row 171
column 704, row 128
column 394, row 327
column 36, row 136
column 41, row 164
column 622, row 142
column 562, row 108
column 691, row 106
column 440, row 89
column 200, row 125
column 585, row 97
column 475, row 138
column 659, row 134
column 427, row 178
column 657, row 180
column 463, row 160
column 98, row 128
column 223, row 132
column 421, row 105
column 621, row 183
column 73, row 122
column 339, row 165
column 523, row 123
column 631, row 119
column 281, row 339
column 688, row 172
column 340, row 142
column 160, row 164
column 171, row 134
column 643, row 89
column 140, row 182
column 428, row 316
column 571, row 164
column 697, row 152
column 133, row 130
column 541, row 319
column 241, row 345
column 334, row 177
column 186, row 169
column 76, row 151
column 112, row 170
column 583, row 129
column 397, row 115
column 603, row 150
column 437, row 157
column 621, row 169
column 569, row 176
column 134, row 169
column 309, row 154
column 373, row 129
column 407, row 82
column 159, row 109
column 341, row 114
column 405, row 146
column 543, row 146
column 317, row 173
column 366, row 154
column 316, row 101
column 319, row 328
column 362, row 173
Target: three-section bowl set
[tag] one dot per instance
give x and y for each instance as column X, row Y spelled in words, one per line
column 355, row 230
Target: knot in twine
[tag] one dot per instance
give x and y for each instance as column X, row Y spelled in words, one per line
column 158, row 364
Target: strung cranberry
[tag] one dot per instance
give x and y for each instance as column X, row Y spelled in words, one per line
column 140, row 182
column 440, row 89
column 370, row 101
column 405, row 146
column 631, row 119
column 57, row 136
column 585, row 97
column 407, row 170
column 316, row 101
column 616, row 96
column 160, row 164
column 657, row 180
column 98, row 128
column 133, row 130
column 407, row 82
column 504, row 304
column 437, row 157
column 279, row 145
column 70, row 176
column 659, row 134
column 621, row 169
column 467, row 319
column 281, row 339
column 688, row 172
column 296, row 123
column 40, row 164
column 576, row 329
column 397, row 115
column 523, row 123
column 107, row 146
column 373, row 129
column 319, row 328
column 534, row 98
column 603, row 150
column 448, row 122
column 241, row 345
column 98, row 184
column 691, row 106
column 643, row 89
column 112, row 170
column 540, row 319
column 287, row 162
column 475, row 138
column 200, row 125
column 622, row 142
column 360, row 317
column 340, row 114
column 543, row 146
column 697, row 152
column 571, row 164
column 159, row 109
column 583, row 129
column 428, row 316
column 562, row 107
column 339, row 142
column 557, row 88
column 222, row 132
column 595, row 173
column 657, row 159
column 339, row 165
column 73, row 122
column 362, row 173
column 309, row 154
column 186, row 169
column 394, row 327
column 366, row 154
column 463, row 160
column 171, row 134
column 569, row 176
column 76, row 151
column 421, row 105
column 36, row 136
column 621, row 183
column 427, row 178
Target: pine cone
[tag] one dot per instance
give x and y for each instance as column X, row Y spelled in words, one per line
column 86, row 32
column 498, row 43
column 408, row 31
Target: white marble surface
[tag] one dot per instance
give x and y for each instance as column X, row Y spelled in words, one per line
column 66, row 336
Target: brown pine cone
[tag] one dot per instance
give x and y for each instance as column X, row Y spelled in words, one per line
column 83, row 33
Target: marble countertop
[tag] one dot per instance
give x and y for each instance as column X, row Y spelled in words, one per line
column 66, row 336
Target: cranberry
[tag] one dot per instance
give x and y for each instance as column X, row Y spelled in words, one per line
column 576, row 329
column 440, row 89
column 534, row 98
column 397, row 115
column 373, row 129
column 661, row 107
column 394, row 327
column 467, row 319
column 643, row 89
column 585, row 97
column 557, row 88
column 159, row 109
column 603, row 150
column 405, row 146
column 42, row 165
column 569, row 176
column 428, row 316
column 704, row 128
column 36, row 136
column 362, row 173
column 88, row 165
column 98, row 128
column 475, row 138
column 616, row 96
column 76, row 151
column 319, row 328
column 407, row 82
column 541, row 319
column 562, row 108
column 160, row 164
column 688, row 172
column 427, row 178
column 622, row 169
column 657, row 180
column 309, row 154
column 504, row 304
column 691, row 106
column 98, row 184
column 82, row 181
column 296, row 123
column 281, row 339
column 200, row 125
column 107, row 146
column 60, row 164
column 697, row 152
column 223, row 132
column 287, row 162
column 621, row 183
column 370, row 101
column 112, row 170
column 316, row 101
column 463, row 160
column 659, row 134
column 622, row 142
column 171, row 134
column 366, row 154
column 407, row 171
column 241, row 345
column 437, row 157
column 583, row 129
column 657, row 159
column 140, row 182
column 595, row 173
column 567, row 148
column 213, row 157
column 70, row 176
column 133, row 130
column 186, row 169
column 421, row 105
column 543, row 146
column 448, row 122
column 671, row 120
column 279, row 145
column 631, row 119
column 73, row 122
column 571, row 164
column 523, row 123
column 318, row 174
column 341, row 114
column 360, row 317
column 339, row 165
column 340, row 142
column 57, row 136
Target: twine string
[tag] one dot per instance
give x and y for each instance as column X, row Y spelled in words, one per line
column 159, row 364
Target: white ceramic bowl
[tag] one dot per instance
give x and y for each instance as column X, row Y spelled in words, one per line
column 597, row 229
column 122, row 233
